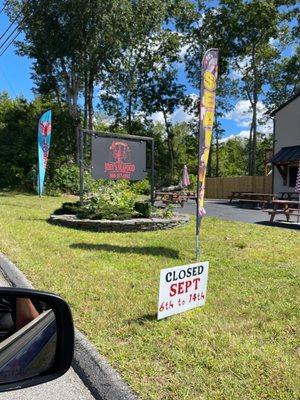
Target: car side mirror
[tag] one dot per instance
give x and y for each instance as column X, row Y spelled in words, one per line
column 36, row 338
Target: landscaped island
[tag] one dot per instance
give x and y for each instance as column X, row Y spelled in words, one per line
column 112, row 209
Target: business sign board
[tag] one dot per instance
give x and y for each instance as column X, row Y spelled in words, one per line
column 182, row 288
column 115, row 158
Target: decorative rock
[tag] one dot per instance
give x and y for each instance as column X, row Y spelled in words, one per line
column 128, row 225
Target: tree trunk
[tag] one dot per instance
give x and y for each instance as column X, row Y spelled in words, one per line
column 129, row 115
column 250, row 149
column 217, row 155
column 90, row 101
column 85, row 111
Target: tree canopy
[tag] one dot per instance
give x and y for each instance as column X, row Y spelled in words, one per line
column 114, row 64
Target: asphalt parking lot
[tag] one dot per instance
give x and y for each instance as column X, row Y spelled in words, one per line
column 233, row 212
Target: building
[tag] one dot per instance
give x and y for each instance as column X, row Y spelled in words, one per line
column 286, row 145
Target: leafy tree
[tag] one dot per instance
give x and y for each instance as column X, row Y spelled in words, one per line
column 233, row 157
column 147, row 43
column 264, row 144
column 18, row 140
column 248, row 29
column 162, row 94
column 71, row 43
column 244, row 32
column 284, row 80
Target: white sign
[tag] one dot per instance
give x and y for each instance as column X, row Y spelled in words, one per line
column 182, row 288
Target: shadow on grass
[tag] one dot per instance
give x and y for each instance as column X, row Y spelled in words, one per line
column 143, row 319
column 7, row 193
column 32, row 219
column 147, row 250
column 280, row 224
column 16, row 205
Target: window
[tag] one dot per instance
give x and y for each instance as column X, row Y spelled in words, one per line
column 292, row 176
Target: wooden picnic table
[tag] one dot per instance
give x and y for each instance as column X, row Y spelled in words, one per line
column 236, row 195
column 171, row 197
column 179, row 197
column 286, row 207
column 256, row 198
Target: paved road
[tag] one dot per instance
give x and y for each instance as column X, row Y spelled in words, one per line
column 68, row 387
column 224, row 210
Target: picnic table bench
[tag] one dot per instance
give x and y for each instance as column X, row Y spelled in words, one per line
column 260, row 199
column 289, row 208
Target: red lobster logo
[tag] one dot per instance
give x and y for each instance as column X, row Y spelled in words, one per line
column 45, row 128
column 120, row 151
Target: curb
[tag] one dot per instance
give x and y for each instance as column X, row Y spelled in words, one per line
column 100, row 378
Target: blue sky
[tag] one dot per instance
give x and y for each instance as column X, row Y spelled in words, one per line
column 14, row 70
column 15, row 79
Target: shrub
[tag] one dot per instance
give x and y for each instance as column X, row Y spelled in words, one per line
column 143, row 208
column 193, row 184
column 66, row 180
column 69, row 208
column 141, row 187
column 109, row 203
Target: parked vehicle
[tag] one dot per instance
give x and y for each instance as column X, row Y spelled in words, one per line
column 37, row 338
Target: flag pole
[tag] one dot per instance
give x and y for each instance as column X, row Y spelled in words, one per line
column 209, row 73
column 198, row 216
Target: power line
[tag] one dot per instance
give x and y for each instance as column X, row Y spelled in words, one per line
column 10, row 35
column 14, row 30
column 11, row 24
column 13, row 39
column 5, row 4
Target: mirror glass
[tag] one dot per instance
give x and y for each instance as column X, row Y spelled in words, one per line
column 28, row 338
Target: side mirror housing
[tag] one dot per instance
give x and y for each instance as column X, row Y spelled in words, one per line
column 36, row 338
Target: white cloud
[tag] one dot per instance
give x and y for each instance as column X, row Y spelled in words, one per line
column 179, row 115
column 241, row 135
column 183, row 51
column 238, row 69
column 274, row 42
column 158, row 117
column 242, row 116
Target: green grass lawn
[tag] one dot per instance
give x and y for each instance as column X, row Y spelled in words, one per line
column 243, row 344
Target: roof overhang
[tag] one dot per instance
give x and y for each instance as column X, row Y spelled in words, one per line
column 285, row 104
column 286, row 155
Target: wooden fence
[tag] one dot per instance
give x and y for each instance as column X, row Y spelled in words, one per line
column 221, row 188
